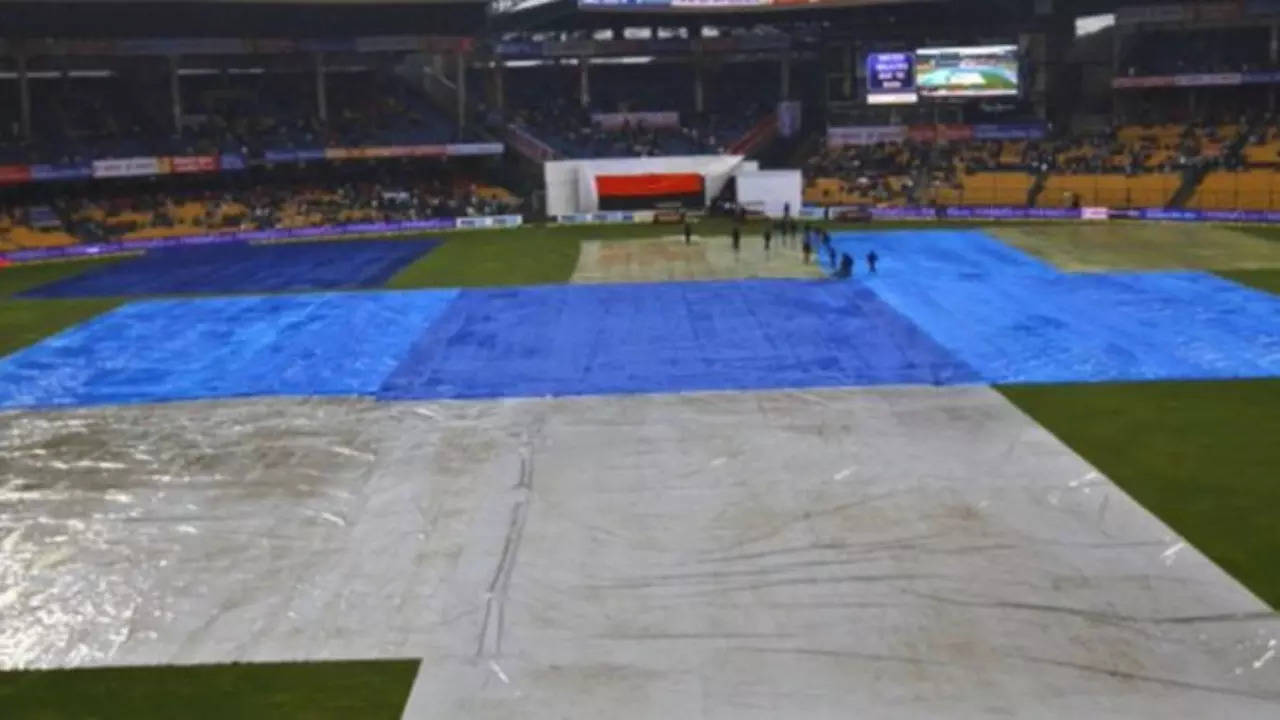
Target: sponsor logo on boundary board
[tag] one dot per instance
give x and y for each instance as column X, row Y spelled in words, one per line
column 601, row 218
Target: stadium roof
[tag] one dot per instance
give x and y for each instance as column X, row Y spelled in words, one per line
column 240, row 18
column 952, row 14
column 345, row 18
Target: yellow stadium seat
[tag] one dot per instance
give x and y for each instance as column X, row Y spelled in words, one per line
column 824, row 191
column 995, row 188
column 189, row 212
column 1110, row 190
column 1247, row 190
column 92, row 213
column 1153, row 190
column 493, row 193
column 25, row 237
column 1062, row 190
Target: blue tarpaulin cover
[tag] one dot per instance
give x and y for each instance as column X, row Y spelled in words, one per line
column 1016, row 319
column 244, row 268
column 946, row 307
column 669, row 337
column 315, row 344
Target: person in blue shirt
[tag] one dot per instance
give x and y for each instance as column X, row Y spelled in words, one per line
column 846, row 266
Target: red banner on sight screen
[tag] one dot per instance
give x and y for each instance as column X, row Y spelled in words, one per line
column 649, row 185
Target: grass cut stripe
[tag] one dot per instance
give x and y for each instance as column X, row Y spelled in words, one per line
column 23, row 322
column 1262, row 232
column 482, row 259
column 17, row 278
column 1268, row 280
column 369, row 690
column 1202, row 456
column 1142, row 246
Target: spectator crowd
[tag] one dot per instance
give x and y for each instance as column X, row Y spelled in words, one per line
column 108, row 214
column 79, row 120
column 547, row 103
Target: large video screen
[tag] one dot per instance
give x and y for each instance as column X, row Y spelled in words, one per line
column 726, row 5
column 891, row 78
column 964, row 72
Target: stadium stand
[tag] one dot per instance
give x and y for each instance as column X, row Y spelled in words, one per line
column 570, row 130
column 982, row 173
column 1130, row 166
column 307, row 198
column 1199, row 50
column 1247, row 181
column 1108, row 190
column 1252, row 189
column 79, row 120
column 547, row 102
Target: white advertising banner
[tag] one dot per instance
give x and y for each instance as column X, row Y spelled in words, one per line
column 126, row 167
column 1208, row 80
column 1140, row 14
column 473, row 149
column 865, row 135
column 614, row 121
column 489, row 221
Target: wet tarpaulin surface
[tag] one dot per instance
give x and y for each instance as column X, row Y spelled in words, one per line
column 1016, row 319
column 313, row 344
column 562, row 340
column 673, row 337
column 946, row 308
column 908, row 552
column 244, row 268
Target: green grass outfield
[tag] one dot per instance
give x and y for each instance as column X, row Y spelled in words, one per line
column 1200, row 455
column 23, row 322
column 367, row 690
column 1268, row 280
column 1133, row 245
column 1203, row 456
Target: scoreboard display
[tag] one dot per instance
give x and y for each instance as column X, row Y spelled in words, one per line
column 950, row 73
column 968, row 72
column 891, row 78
